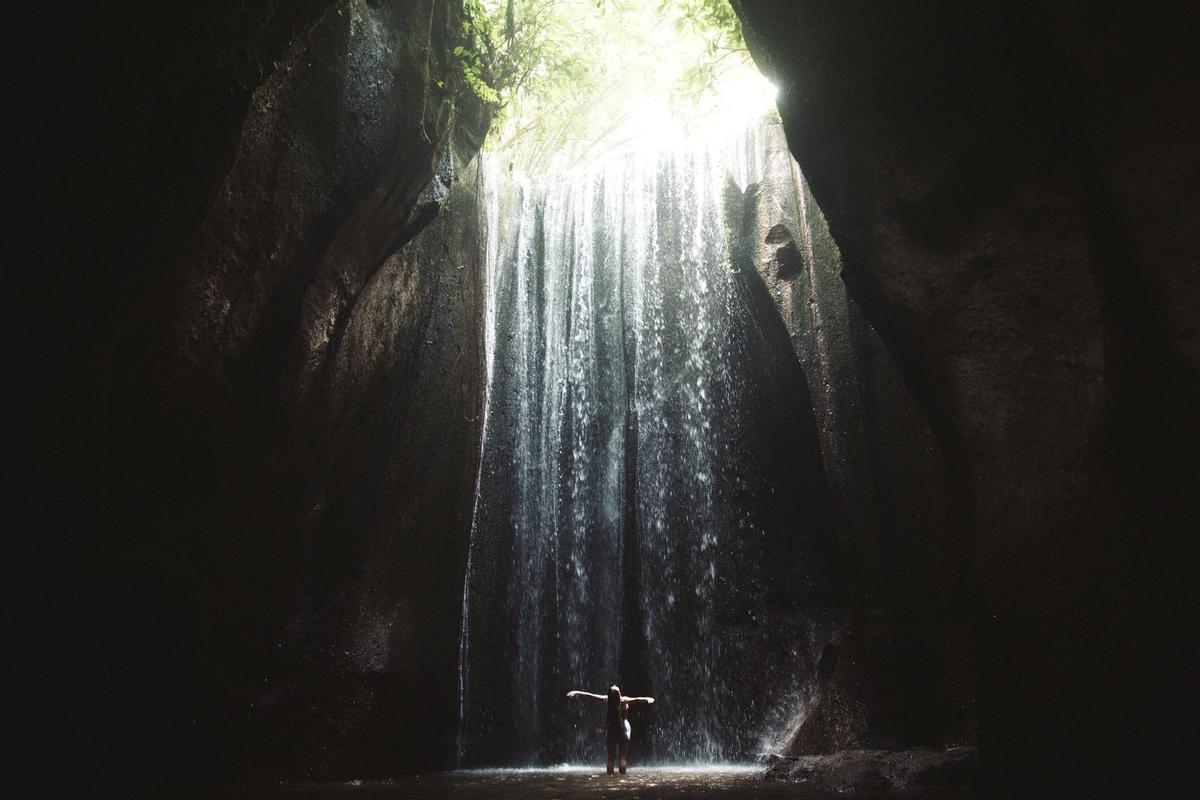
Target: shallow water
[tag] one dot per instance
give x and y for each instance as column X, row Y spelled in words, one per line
column 576, row 782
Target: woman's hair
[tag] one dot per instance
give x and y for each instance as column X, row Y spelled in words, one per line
column 614, row 706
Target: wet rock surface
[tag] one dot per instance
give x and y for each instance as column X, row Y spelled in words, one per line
column 873, row 770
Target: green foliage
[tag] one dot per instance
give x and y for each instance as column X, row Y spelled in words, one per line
column 518, row 47
column 714, row 22
column 563, row 76
column 711, row 20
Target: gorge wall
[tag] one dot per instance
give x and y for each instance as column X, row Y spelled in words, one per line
column 896, row 669
column 1013, row 192
column 246, row 422
column 242, row 492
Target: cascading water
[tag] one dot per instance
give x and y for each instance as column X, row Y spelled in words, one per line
column 638, row 472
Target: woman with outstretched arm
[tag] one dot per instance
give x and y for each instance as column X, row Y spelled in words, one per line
column 618, row 726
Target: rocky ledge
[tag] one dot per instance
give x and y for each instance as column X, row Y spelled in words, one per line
column 874, row 770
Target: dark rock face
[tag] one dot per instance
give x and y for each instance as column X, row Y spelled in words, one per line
column 247, row 515
column 1013, row 191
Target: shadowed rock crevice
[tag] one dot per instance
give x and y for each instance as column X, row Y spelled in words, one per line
column 786, row 260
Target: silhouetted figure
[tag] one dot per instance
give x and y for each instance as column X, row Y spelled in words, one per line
column 618, row 727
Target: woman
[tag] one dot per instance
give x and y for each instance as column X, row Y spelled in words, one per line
column 618, row 727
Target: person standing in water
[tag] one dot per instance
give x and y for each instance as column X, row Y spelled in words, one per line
column 618, row 727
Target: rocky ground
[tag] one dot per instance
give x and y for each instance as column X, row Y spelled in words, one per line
column 869, row 770
column 575, row 782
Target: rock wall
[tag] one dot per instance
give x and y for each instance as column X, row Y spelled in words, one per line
column 891, row 667
column 248, row 480
column 1012, row 190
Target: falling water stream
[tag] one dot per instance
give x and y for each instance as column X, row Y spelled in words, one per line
column 620, row 488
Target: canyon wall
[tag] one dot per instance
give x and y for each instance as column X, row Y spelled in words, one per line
column 247, row 403
column 895, row 667
column 243, row 495
column 1012, row 189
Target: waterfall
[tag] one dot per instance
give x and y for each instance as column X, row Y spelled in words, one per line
column 629, row 487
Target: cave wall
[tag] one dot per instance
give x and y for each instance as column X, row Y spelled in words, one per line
column 1012, row 189
column 894, row 668
column 243, row 495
